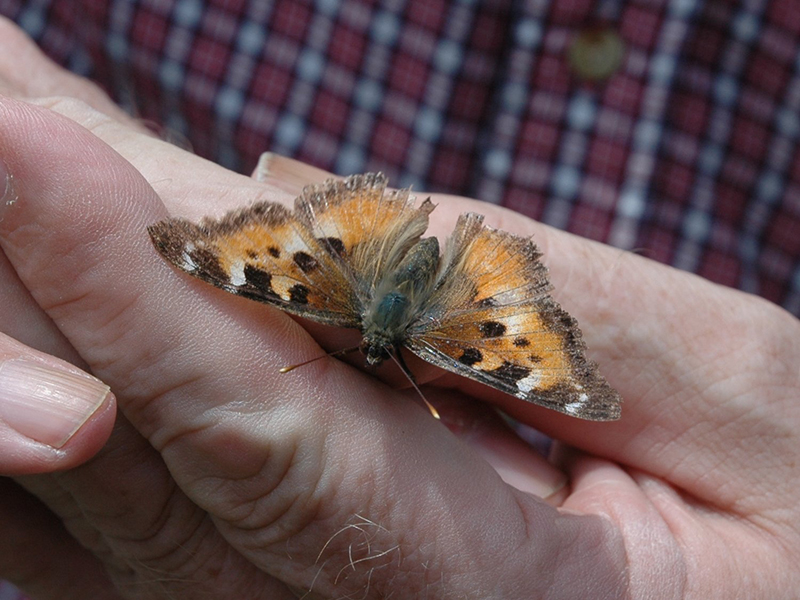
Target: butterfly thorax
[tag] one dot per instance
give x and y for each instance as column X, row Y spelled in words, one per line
column 397, row 300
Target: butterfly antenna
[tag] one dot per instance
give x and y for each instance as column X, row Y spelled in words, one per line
column 400, row 362
column 316, row 358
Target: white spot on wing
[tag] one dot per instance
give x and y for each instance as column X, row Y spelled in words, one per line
column 531, row 382
column 237, row 273
column 282, row 285
column 187, row 263
column 575, row 407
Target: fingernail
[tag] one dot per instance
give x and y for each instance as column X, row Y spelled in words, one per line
column 262, row 171
column 287, row 173
column 6, row 194
column 46, row 404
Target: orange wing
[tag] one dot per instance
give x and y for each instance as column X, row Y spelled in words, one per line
column 376, row 227
column 318, row 261
column 491, row 319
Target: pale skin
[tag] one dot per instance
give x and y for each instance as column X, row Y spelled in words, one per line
column 224, row 479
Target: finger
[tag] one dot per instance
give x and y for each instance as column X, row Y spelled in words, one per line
column 321, row 469
column 287, row 174
column 515, row 460
column 25, row 72
column 40, row 557
column 124, row 508
column 126, row 479
column 24, row 321
column 52, row 415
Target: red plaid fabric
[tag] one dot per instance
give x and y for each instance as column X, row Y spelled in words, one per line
column 686, row 153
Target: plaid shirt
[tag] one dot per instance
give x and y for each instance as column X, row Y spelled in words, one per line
column 687, row 151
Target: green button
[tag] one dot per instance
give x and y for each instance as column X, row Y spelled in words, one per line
column 596, row 54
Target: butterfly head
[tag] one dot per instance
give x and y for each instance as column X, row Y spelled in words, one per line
column 376, row 353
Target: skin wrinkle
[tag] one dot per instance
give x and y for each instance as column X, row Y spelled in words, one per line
column 91, row 119
column 277, row 523
column 149, row 533
column 74, row 521
column 526, row 540
column 692, row 479
column 736, row 423
column 609, row 543
column 680, row 561
column 159, row 545
column 256, row 517
column 752, row 445
column 145, row 554
column 60, row 303
column 31, row 326
column 113, row 332
column 144, row 549
column 699, row 503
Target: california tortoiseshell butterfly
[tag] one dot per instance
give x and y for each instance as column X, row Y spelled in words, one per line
column 351, row 254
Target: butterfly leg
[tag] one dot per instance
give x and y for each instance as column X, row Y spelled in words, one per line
column 306, row 362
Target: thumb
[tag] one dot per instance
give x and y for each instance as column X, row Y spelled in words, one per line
column 53, row 416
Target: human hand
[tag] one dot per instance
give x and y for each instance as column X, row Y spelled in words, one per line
column 328, row 480
column 53, row 558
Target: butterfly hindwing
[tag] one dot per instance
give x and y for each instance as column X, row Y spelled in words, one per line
column 491, row 318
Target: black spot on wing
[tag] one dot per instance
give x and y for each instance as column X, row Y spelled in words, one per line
column 306, row 262
column 258, row 278
column 334, row 244
column 510, row 373
column 252, row 254
column 492, row 329
column 298, row 293
column 471, row 356
column 534, row 358
column 522, row 342
column 274, row 251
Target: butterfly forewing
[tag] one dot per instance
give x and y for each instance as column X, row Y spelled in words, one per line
column 491, row 318
column 264, row 253
column 369, row 227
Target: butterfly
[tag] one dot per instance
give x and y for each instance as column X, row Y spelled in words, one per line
column 351, row 254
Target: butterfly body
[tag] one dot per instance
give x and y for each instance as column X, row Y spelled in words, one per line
column 398, row 301
column 351, row 254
